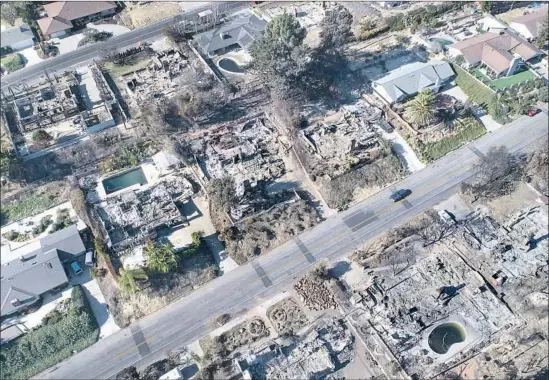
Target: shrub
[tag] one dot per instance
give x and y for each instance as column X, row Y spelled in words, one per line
column 13, row 62
column 93, row 36
column 49, row 344
column 42, row 225
column 42, row 138
column 470, row 130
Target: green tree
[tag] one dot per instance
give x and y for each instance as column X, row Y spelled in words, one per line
column 286, row 29
column 543, row 94
column 520, row 107
column 161, row 257
column 279, row 56
column 9, row 162
column 486, row 6
column 336, row 28
column 10, row 11
column 497, row 111
column 421, row 109
column 130, row 278
column 543, row 35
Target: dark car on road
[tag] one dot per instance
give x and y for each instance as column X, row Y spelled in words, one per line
column 400, row 194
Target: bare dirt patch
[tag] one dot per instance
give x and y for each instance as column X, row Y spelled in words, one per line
column 251, row 238
column 138, row 15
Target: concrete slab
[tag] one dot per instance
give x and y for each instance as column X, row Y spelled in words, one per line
column 403, row 150
column 31, row 56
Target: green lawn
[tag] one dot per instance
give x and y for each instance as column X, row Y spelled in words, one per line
column 504, row 82
column 118, row 70
column 13, row 62
column 30, row 205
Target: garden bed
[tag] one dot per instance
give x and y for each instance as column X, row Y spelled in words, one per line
column 471, row 129
column 59, row 337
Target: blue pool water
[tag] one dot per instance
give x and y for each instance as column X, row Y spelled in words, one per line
column 127, row 179
column 441, row 41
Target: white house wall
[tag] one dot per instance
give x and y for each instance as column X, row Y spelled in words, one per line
column 522, row 30
column 22, row 44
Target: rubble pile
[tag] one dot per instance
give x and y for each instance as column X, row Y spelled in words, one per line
column 64, row 105
column 328, row 346
column 287, row 317
column 160, row 78
column 345, row 140
column 131, row 218
column 244, row 334
column 247, row 152
column 314, row 293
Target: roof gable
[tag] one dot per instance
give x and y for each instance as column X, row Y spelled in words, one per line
column 242, row 31
column 414, row 77
column 72, row 10
column 29, row 277
column 17, row 34
column 51, row 25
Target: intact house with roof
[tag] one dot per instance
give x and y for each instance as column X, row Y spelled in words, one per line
column 408, row 80
column 63, row 16
column 17, row 38
column 239, row 33
column 38, row 269
column 529, row 25
column 502, row 53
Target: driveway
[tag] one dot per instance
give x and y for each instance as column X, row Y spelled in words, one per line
column 198, row 215
column 489, row 123
column 403, row 150
column 69, row 43
column 96, row 299
column 31, row 56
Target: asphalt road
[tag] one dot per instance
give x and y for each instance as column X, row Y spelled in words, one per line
column 245, row 287
column 86, row 54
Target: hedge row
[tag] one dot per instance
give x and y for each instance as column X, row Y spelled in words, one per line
column 471, row 130
column 476, row 92
column 47, row 345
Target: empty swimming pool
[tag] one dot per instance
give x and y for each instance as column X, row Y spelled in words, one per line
column 445, row 336
column 127, row 179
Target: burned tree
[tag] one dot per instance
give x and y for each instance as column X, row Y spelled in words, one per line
column 497, row 174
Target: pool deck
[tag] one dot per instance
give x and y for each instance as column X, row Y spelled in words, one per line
column 472, row 337
column 149, row 171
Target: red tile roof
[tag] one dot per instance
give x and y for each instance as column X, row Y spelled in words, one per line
column 71, row 10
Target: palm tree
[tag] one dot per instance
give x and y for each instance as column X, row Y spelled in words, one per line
column 129, row 278
column 421, row 109
column 161, row 258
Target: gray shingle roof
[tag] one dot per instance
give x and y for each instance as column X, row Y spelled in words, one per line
column 11, row 36
column 242, row 31
column 67, row 241
column 26, row 279
column 40, row 270
column 412, row 78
